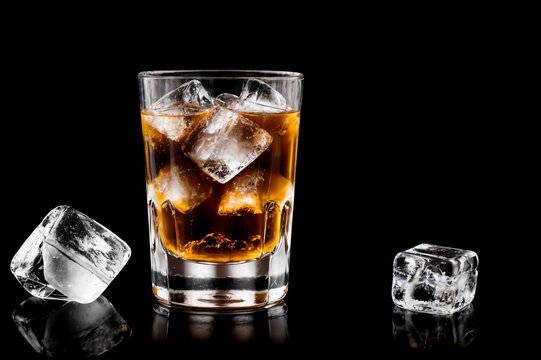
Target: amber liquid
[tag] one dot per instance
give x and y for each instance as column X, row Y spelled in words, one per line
column 228, row 225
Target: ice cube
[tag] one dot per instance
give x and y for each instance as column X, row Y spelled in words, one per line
column 229, row 101
column 242, row 195
column 259, row 97
column 181, row 186
column 80, row 257
column 191, row 93
column 70, row 330
column 27, row 264
column 225, row 143
column 174, row 124
column 434, row 279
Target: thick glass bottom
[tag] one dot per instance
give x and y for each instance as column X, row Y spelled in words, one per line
column 225, row 299
column 248, row 284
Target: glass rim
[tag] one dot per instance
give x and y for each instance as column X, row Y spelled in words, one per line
column 221, row 74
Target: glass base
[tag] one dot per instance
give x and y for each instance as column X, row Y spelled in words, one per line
column 243, row 285
column 219, row 299
column 249, row 284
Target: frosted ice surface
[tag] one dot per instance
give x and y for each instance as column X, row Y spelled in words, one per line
column 70, row 330
column 242, row 194
column 181, row 187
column 258, row 96
column 434, row 279
column 225, row 143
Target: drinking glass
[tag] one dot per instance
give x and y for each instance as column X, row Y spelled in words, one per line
column 221, row 149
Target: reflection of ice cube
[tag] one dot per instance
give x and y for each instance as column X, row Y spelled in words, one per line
column 435, row 332
column 181, row 187
column 80, row 256
column 225, row 143
column 258, row 96
column 242, row 195
column 27, row 264
column 191, row 93
column 72, row 330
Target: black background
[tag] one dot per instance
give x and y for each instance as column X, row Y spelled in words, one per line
column 406, row 137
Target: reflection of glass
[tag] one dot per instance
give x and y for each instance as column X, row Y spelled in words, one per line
column 246, row 327
column 426, row 331
column 70, row 330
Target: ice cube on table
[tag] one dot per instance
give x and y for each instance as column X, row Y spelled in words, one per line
column 258, row 96
column 191, row 93
column 434, row 279
column 27, row 264
column 70, row 330
column 181, row 186
column 225, row 143
column 81, row 257
column 242, row 195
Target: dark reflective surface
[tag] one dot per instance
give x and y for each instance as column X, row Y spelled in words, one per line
column 56, row 329
column 190, row 329
column 435, row 332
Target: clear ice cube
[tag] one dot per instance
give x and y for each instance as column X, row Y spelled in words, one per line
column 27, row 264
column 81, row 257
column 191, row 93
column 434, row 279
column 176, row 113
column 181, row 186
column 242, row 195
column 225, row 143
column 70, row 330
column 175, row 124
column 227, row 100
column 258, row 96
